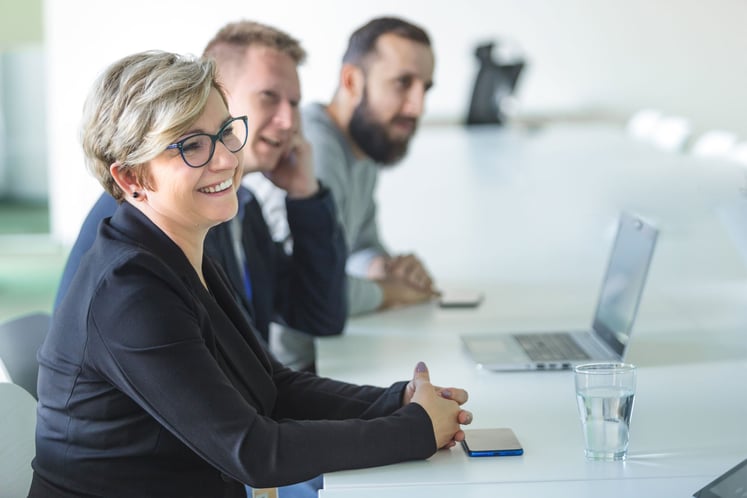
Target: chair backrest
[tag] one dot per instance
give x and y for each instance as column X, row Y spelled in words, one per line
column 671, row 133
column 17, row 447
column 714, row 143
column 20, row 339
column 642, row 124
column 739, row 153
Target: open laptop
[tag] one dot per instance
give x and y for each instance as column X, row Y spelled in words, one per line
column 608, row 338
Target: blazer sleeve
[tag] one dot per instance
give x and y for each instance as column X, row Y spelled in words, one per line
column 163, row 362
column 305, row 395
column 104, row 208
column 312, row 295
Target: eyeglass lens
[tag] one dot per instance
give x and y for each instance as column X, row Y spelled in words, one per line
column 197, row 150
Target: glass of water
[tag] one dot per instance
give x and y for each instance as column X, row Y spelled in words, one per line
column 605, row 393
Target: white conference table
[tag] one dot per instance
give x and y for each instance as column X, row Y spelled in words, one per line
column 527, row 218
column 541, row 206
column 610, row 488
column 688, row 419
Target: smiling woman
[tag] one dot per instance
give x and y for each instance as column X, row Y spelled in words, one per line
column 142, row 159
column 191, row 186
column 150, row 367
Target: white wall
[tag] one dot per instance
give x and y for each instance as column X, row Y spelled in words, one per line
column 682, row 56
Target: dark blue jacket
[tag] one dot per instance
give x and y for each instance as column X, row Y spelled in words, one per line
column 305, row 290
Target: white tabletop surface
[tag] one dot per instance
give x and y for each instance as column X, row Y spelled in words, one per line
column 541, row 206
column 528, row 218
column 679, row 487
column 688, row 418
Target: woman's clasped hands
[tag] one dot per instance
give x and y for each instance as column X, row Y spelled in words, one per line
column 443, row 406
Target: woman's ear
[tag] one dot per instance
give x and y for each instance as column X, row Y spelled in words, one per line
column 126, row 180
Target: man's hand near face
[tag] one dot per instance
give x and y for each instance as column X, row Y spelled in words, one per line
column 294, row 172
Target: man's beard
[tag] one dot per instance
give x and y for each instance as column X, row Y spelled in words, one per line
column 371, row 136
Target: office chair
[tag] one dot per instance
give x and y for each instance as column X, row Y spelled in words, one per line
column 494, row 87
column 17, row 447
column 663, row 131
column 714, row 143
column 671, row 133
column 739, row 153
column 642, row 124
column 20, row 339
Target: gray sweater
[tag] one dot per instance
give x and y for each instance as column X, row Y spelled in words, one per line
column 352, row 183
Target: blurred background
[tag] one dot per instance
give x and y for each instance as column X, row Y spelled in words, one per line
column 678, row 64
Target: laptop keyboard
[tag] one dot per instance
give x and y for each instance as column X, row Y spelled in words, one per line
column 551, row 347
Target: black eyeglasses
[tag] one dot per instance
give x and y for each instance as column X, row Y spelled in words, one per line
column 197, row 150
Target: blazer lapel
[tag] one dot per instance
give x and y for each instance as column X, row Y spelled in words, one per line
column 244, row 359
column 237, row 350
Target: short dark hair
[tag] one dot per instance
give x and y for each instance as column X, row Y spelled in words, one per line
column 362, row 42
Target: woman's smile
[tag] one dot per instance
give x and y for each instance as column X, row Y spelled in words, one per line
column 217, row 188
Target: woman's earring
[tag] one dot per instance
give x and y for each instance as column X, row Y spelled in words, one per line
column 135, row 195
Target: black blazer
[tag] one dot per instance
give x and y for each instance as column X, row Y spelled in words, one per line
column 151, row 385
column 305, row 290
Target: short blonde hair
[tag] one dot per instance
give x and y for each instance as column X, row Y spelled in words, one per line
column 230, row 43
column 140, row 105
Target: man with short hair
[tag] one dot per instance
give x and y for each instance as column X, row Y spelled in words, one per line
column 386, row 72
column 257, row 66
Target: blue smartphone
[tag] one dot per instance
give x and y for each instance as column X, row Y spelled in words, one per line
column 491, row 442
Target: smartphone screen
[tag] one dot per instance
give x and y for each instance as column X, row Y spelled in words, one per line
column 460, row 299
column 491, row 442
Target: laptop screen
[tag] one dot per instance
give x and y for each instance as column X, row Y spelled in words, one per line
column 624, row 281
